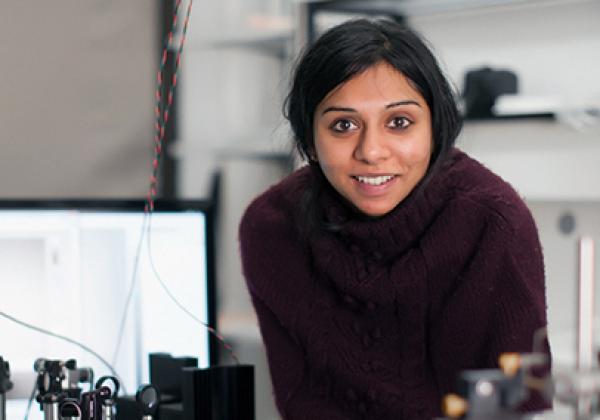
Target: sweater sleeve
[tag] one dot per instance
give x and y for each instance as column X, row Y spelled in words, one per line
column 496, row 304
column 293, row 395
column 285, row 358
column 277, row 274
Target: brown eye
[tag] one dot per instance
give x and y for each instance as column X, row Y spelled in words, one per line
column 341, row 126
column 399, row 123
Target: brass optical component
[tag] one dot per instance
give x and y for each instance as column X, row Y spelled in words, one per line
column 454, row 406
column 510, row 363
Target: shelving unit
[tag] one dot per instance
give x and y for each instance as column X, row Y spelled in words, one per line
column 404, row 9
column 273, row 42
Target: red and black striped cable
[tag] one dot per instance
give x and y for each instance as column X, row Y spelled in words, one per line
column 161, row 112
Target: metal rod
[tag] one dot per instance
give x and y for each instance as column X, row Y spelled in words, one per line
column 51, row 411
column 108, row 411
column 585, row 327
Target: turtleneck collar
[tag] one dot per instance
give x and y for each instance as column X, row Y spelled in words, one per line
column 396, row 231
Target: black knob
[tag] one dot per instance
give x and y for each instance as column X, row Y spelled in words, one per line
column 148, row 399
column 115, row 384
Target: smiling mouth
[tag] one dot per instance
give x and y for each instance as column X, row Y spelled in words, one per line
column 374, row 180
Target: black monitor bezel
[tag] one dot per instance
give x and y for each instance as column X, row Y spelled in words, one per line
column 207, row 207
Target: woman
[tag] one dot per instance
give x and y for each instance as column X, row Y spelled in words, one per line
column 392, row 261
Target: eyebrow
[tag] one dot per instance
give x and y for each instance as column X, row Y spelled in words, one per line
column 388, row 106
column 400, row 103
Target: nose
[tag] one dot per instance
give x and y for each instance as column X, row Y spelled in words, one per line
column 372, row 147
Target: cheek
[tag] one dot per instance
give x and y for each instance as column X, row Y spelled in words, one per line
column 329, row 152
column 414, row 153
column 422, row 148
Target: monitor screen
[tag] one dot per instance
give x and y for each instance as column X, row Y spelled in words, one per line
column 73, row 267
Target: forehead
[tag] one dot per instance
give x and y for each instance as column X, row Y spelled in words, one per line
column 378, row 83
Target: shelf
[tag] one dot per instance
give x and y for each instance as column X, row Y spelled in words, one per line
column 542, row 160
column 548, row 116
column 270, row 42
column 408, row 8
column 268, row 34
column 520, row 107
column 578, row 120
column 235, row 148
column 273, row 42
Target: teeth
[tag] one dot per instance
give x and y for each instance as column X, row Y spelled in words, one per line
column 374, row 180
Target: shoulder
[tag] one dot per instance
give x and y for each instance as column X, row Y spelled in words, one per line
column 277, row 207
column 477, row 187
column 482, row 217
column 271, row 253
column 485, row 240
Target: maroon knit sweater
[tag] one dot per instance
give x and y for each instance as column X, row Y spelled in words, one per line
column 376, row 320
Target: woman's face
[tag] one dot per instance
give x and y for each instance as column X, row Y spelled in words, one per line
column 373, row 139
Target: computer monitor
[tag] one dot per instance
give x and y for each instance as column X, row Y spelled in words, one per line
column 68, row 265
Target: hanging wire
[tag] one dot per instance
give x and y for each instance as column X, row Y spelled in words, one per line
column 162, row 114
column 132, row 285
column 30, row 401
column 61, row 337
column 213, row 331
column 158, row 137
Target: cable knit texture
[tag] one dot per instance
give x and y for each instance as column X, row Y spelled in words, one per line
column 376, row 320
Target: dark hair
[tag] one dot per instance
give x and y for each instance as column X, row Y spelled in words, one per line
column 351, row 48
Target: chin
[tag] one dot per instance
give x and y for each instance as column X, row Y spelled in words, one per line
column 375, row 212
column 378, row 209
